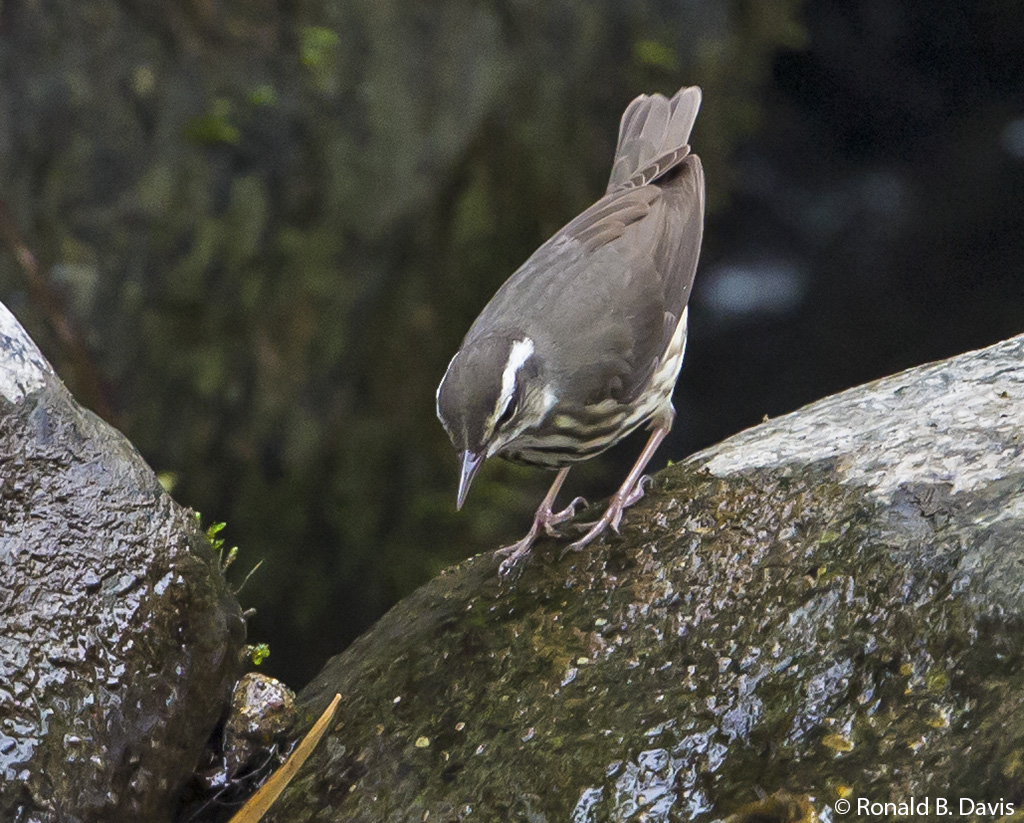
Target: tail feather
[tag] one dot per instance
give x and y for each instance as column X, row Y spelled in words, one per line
column 653, row 137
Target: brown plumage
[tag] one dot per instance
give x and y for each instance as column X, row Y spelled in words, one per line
column 583, row 343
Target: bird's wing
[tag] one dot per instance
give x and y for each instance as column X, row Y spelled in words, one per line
column 537, row 289
column 634, row 290
column 608, row 218
column 601, row 298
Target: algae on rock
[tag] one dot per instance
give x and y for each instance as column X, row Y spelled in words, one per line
column 829, row 605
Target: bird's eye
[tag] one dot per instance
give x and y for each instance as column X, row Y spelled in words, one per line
column 508, row 413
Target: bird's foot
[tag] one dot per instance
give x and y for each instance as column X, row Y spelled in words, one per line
column 516, row 551
column 636, row 493
column 552, row 519
column 544, row 519
column 613, row 515
column 522, row 547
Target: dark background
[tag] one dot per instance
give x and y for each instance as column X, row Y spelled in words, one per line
column 269, row 225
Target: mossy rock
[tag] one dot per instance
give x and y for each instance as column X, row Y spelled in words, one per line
column 828, row 606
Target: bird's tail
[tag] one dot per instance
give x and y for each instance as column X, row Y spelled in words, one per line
column 653, row 137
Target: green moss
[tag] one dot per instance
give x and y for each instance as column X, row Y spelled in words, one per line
column 214, row 127
column 733, row 617
column 655, row 54
column 258, row 653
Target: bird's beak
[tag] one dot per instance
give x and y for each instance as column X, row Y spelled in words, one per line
column 470, row 463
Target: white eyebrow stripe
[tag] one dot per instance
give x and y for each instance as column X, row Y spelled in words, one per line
column 437, row 394
column 521, row 351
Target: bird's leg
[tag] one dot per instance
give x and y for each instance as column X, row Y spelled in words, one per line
column 544, row 519
column 636, row 494
column 631, row 490
column 568, row 513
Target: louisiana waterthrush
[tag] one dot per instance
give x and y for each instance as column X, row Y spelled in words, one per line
column 584, row 342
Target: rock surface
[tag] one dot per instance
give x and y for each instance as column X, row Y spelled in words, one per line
column 119, row 639
column 255, row 741
column 828, row 606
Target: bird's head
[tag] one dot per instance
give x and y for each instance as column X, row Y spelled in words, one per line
column 490, row 395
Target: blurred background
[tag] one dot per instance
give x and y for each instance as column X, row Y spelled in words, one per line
column 262, row 228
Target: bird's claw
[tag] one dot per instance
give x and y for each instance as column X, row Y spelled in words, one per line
column 613, row 516
column 637, row 492
column 569, row 512
column 515, row 551
column 508, row 564
column 546, row 520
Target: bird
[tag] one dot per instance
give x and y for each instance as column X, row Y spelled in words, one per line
column 583, row 344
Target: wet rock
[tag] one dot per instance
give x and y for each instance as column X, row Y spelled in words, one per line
column 826, row 607
column 781, row 807
column 255, row 740
column 262, row 714
column 119, row 639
